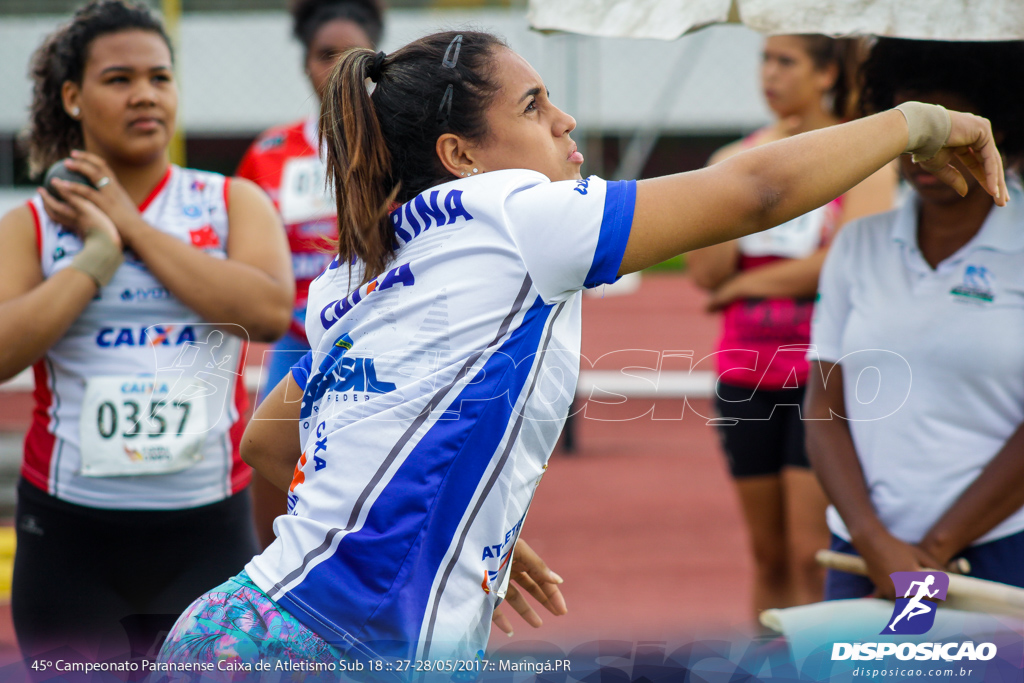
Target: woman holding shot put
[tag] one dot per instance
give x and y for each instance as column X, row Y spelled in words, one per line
column 132, row 300
column 445, row 337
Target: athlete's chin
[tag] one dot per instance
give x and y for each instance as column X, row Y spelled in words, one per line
column 141, row 151
column 571, row 173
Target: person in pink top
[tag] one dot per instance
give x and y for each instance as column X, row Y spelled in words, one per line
column 764, row 285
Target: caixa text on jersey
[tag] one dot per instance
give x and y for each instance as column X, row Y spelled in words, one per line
column 152, row 335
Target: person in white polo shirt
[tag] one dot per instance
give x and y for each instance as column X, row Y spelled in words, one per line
column 917, row 344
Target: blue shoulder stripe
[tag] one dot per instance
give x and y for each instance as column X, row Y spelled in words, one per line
column 619, row 203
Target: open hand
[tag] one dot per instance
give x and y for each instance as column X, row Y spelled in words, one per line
column 533, row 575
column 970, row 140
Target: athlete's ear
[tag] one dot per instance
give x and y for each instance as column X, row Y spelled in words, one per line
column 69, row 95
column 827, row 77
column 457, row 155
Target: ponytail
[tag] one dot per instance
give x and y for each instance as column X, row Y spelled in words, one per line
column 358, row 165
column 381, row 148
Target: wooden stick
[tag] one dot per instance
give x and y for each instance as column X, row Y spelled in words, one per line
column 975, row 593
column 854, row 564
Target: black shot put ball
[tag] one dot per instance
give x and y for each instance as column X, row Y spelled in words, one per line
column 59, row 170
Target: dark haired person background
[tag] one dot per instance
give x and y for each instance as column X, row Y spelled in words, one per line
column 133, row 495
column 764, row 285
column 446, row 339
column 285, row 162
column 916, row 392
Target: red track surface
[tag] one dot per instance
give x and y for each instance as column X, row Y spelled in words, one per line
column 641, row 521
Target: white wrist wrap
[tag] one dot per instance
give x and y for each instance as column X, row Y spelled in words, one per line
column 100, row 257
column 929, row 126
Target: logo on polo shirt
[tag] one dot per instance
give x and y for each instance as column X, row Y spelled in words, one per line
column 978, row 284
column 914, row 613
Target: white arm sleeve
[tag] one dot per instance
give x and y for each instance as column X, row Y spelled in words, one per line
column 572, row 234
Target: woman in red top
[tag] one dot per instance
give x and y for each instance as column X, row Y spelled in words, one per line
column 764, row 284
column 285, row 160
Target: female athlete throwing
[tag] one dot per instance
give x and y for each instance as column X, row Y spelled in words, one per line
column 446, row 336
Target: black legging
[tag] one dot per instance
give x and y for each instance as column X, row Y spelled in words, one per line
column 110, row 583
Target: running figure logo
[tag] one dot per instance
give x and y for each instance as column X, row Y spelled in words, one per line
column 913, row 614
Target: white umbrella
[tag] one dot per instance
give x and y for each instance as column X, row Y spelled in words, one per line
column 669, row 19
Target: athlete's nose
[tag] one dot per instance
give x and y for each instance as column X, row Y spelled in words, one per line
column 564, row 124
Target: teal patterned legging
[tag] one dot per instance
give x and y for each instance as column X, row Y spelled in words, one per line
column 235, row 626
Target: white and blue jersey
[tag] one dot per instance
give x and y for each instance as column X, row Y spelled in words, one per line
column 436, row 393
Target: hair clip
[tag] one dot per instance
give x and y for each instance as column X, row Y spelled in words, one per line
column 451, row 58
column 445, row 110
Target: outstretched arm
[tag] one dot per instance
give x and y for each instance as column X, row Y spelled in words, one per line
column 788, row 278
column 774, row 183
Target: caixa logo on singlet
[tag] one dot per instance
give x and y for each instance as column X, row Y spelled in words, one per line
column 153, row 335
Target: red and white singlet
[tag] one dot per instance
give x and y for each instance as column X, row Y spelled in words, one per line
column 284, row 161
column 138, row 405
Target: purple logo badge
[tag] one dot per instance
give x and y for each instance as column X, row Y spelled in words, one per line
column 914, row 612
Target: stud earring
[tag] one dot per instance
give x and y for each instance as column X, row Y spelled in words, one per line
column 76, row 112
column 462, row 173
column 475, row 171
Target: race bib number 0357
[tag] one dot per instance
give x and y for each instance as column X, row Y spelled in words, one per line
column 135, row 425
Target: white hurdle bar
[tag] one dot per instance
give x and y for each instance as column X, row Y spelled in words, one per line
column 592, row 383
